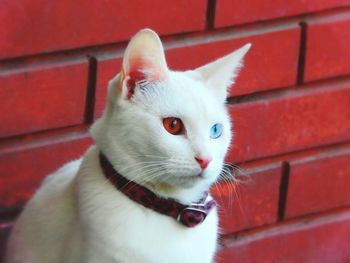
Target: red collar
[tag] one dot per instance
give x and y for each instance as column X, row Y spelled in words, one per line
column 188, row 215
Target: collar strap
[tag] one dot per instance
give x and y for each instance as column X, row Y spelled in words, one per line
column 188, row 215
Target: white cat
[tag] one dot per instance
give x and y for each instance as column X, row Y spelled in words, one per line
column 167, row 131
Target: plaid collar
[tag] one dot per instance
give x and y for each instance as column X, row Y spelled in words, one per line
column 187, row 215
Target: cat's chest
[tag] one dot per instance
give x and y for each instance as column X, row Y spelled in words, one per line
column 132, row 233
column 156, row 237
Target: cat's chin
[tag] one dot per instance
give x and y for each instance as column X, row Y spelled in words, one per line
column 187, row 181
column 181, row 181
column 173, row 186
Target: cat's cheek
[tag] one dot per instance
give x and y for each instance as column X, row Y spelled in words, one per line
column 219, row 150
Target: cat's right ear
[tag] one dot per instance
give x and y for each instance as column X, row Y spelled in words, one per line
column 220, row 74
column 144, row 62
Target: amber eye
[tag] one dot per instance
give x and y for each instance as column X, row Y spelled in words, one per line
column 173, row 125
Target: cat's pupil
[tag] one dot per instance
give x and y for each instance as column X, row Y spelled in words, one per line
column 173, row 123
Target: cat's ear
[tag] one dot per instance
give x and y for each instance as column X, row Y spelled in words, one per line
column 144, row 62
column 220, row 74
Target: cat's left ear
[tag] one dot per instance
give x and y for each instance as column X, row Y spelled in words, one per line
column 220, row 74
column 143, row 62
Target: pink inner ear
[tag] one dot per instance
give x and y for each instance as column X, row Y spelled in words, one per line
column 137, row 73
column 134, row 77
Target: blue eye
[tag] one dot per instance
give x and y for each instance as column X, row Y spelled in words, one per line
column 216, row 131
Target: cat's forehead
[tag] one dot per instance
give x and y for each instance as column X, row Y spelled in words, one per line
column 183, row 95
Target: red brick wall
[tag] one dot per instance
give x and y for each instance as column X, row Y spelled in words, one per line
column 291, row 107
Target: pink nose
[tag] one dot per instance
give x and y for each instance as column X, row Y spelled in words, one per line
column 203, row 163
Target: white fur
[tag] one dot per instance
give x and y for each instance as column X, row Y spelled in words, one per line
column 77, row 216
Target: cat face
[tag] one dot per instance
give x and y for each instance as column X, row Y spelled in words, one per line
column 166, row 127
column 170, row 129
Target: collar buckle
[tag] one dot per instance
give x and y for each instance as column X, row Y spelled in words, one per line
column 191, row 216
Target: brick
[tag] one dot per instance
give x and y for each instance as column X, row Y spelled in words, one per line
column 41, row 99
column 106, row 70
column 65, row 24
column 259, row 73
column 318, row 183
column 251, row 203
column 5, row 229
column 290, row 121
column 18, row 182
column 233, row 12
column 327, row 49
column 323, row 240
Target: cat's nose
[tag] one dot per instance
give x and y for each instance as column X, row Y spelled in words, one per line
column 203, row 163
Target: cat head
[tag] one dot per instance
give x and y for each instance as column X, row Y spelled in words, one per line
column 166, row 129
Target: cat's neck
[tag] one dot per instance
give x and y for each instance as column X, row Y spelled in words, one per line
column 181, row 194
